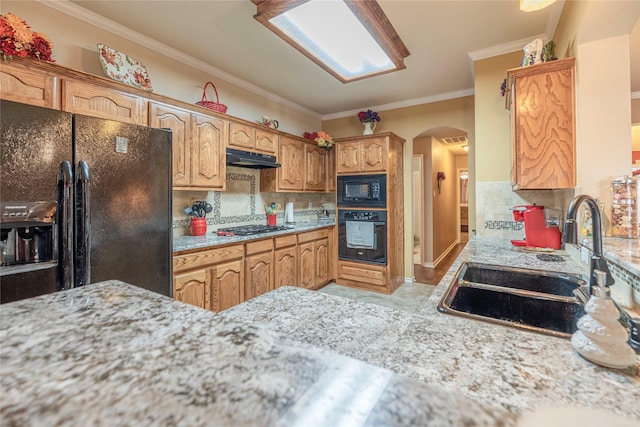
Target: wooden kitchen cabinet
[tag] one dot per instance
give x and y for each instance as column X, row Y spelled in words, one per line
column 243, row 136
column 212, row 279
column 193, row 288
column 33, row 87
column 331, row 172
column 379, row 154
column 304, row 168
column 259, row 268
column 105, row 102
column 362, row 155
column 315, row 168
column 208, row 161
column 542, row 105
column 197, row 146
column 227, row 285
column 285, row 261
column 179, row 121
column 314, row 259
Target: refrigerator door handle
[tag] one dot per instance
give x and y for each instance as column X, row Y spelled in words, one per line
column 65, row 226
column 83, row 225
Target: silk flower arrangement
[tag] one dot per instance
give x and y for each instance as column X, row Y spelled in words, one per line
column 17, row 39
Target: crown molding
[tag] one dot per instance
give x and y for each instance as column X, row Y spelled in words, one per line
column 92, row 18
column 404, row 104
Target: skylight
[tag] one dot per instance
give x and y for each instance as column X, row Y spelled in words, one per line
column 350, row 39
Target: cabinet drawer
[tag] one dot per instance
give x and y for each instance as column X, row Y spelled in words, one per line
column 371, row 274
column 284, row 241
column 206, row 257
column 313, row 235
column 259, row 246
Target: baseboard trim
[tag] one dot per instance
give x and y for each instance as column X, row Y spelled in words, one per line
column 444, row 254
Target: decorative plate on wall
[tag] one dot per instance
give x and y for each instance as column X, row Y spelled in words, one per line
column 122, row 68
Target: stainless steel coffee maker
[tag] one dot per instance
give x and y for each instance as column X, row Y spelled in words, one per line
column 27, row 235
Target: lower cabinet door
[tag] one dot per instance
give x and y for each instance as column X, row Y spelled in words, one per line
column 322, row 267
column 258, row 275
column 227, row 285
column 307, row 274
column 193, row 288
column 286, row 261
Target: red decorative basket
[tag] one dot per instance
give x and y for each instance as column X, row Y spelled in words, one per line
column 215, row 106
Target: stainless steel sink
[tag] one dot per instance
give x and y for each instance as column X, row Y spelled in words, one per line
column 534, row 300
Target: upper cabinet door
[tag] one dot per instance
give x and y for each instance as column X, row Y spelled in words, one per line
column 543, row 125
column 107, row 103
column 179, row 121
column 315, row 168
column 208, row 164
column 348, row 157
column 241, row 136
column 374, row 155
column 266, row 141
column 31, row 87
column 291, row 174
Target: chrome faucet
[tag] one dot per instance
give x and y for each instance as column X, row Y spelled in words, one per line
column 570, row 235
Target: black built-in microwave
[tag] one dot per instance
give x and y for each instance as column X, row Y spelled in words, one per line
column 362, row 191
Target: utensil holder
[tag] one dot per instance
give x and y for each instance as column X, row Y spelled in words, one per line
column 271, row 219
column 198, row 226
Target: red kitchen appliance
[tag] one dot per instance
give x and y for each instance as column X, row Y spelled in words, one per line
column 537, row 233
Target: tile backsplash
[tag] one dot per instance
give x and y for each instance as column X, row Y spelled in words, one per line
column 494, row 201
column 243, row 203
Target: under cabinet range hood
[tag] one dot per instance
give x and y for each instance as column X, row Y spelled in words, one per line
column 246, row 159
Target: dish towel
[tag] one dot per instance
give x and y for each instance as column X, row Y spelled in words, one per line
column 360, row 235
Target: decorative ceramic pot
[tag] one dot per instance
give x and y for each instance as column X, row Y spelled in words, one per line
column 369, row 127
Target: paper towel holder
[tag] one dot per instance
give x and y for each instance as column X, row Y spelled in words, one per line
column 288, row 213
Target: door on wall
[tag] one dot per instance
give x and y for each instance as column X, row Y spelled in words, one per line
column 463, row 191
column 418, row 209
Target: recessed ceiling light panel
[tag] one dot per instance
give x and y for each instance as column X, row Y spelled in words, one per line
column 350, row 39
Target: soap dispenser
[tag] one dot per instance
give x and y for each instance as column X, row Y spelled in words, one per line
column 600, row 337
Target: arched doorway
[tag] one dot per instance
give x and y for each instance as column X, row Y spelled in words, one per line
column 439, row 155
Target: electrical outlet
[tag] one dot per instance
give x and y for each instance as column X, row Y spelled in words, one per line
column 584, row 255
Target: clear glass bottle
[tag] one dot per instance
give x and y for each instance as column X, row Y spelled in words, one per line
column 624, row 207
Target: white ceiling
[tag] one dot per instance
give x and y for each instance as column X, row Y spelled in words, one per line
column 439, row 34
column 443, row 37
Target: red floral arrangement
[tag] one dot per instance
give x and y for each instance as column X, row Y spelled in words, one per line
column 17, row 39
column 322, row 139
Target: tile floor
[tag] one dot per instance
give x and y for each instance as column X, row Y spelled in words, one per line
column 409, row 297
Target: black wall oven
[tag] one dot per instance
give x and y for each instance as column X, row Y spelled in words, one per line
column 362, row 191
column 362, row 236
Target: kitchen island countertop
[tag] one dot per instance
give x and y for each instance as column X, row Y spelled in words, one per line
column 513, row 369
column 114, row 354
column 135, row 357
column 211, row 240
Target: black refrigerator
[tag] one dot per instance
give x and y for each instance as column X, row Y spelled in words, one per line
column 82, row 200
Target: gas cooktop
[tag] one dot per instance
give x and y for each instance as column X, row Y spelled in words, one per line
column 249, row 230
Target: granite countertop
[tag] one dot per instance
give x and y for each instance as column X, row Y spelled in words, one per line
column 114, row 354
column 210, row 240
column 624, row 252
column 510, row 369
